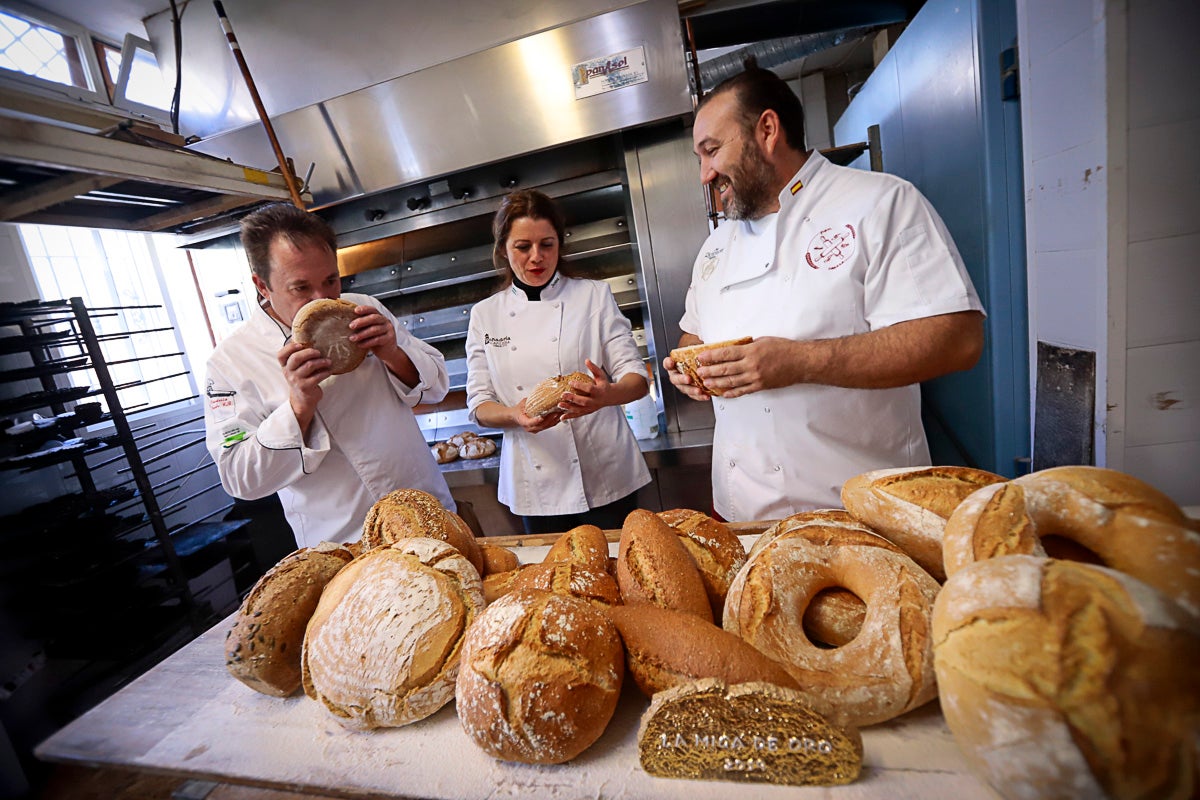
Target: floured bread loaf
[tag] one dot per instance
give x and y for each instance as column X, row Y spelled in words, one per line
column 477, row 447
column 888, row 667
column 568, row 577
column 262, row 649
column 498, row 584
column 1061, row 679
column 540, row 678
column 1085, row 514
column 686, row 363
column 910, row 506
column 444, row 452
column 325, row 325
column 718, row 553
column 835, row 615
column 546, row 396
column 405, row 513
column 584, row 544
column 382, row 648
column 653, row 566
column 665, row 648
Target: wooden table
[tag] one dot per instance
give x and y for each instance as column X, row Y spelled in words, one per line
column 188, row 717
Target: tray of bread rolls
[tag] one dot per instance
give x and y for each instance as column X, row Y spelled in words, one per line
column 947, row 632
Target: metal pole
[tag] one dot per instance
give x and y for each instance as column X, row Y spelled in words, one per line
column 262, row 112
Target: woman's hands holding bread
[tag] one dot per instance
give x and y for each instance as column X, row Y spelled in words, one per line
column 535, row 424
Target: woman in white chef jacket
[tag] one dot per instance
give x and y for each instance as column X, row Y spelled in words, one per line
column 580, row 464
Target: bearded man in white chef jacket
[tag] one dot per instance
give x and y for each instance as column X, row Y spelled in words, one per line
column 852, row 290
column 278, row 421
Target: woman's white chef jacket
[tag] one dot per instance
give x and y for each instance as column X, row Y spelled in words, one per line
column 850, row 251
column 513, row 344
column 363, row 442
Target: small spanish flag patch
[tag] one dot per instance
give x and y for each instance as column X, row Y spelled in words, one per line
column 797, row 186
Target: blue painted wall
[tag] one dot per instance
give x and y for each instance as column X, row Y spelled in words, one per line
column 943, row 125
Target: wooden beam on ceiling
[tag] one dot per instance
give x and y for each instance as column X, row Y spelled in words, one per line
column 43, row 195
column 177, row 216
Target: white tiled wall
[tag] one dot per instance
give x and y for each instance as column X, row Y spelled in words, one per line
column 1110, row 123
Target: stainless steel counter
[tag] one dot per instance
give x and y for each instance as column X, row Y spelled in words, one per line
column 663, row 451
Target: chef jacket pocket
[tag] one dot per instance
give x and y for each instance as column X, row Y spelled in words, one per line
column 755, row 486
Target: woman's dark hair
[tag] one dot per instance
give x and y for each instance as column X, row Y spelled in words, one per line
column 298, row 227
column 524, row 203
column 760, row 89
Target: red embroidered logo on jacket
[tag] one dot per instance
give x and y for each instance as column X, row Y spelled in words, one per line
column 831, row 248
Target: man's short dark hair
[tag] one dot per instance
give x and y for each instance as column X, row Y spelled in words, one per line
column 297, row 226
column 760, row 89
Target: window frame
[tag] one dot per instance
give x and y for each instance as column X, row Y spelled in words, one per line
column 129, row 48
column 95, row 92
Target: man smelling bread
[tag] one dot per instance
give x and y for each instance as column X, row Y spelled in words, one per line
column 851, row 289
column 279, row 420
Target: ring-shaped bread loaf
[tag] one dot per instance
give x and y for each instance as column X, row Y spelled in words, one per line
column 884, row 671
column 325, row 325
column 1127, row 524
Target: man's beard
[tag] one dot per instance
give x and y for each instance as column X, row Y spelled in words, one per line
column 751, row 185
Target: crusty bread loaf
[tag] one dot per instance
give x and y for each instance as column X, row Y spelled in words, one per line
column 1112, row 518
column 405, row 513
column 717, row 551
column 325, row 325
column 653, row 566
column 910, row 506
column 569, row 577
column 886, row 670
column 585, row 544
column 686, row 363
column 382, row 648
column 1061, row 679
column 478, row 447
column 459, row 439
column 262, row 649
column 666, row 648
column 546, row 395
column 540, row 678
column 497, row 559
column 835, row 615
column 498, row 584
column 444, row 452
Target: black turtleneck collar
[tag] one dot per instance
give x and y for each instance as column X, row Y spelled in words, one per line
column 532, row 292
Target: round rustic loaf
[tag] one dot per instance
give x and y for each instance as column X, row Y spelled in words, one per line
column 835, row 615
column 1061, row 679
column 325, row 325
column 666, row 648
column 405, row 513
column 686, row 363
column 718, row 553
column 444, row 452
column 910, row 506
column 546, row 396
column 1102, row 515
column 477, row 447
column 888, row 667
column 540, row 678
column 653, row 566
column 382, row 647
column 262, row 649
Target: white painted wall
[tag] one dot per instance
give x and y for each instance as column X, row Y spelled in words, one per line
column 1110, row 117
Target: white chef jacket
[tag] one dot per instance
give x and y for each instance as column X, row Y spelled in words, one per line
column 514, row 343
column 363, row 442
column 848, row 252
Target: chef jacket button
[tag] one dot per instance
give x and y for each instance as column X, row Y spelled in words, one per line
column 766, row 409
column 554, row 338
column 721, row 406
column 574, row 460
column 537, row 466
column 512, row 313
column 520, row 388
column 778, row 468
column 514, row 347
column 732, row 463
